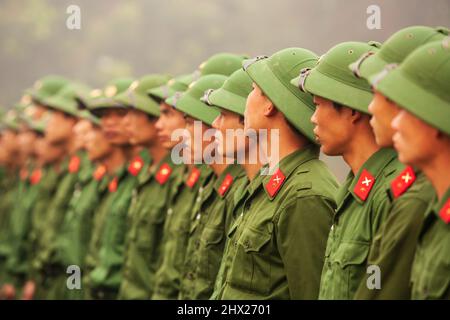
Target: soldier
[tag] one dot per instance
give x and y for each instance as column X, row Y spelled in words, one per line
column 420, row 88
column 74, row 234
column 177, row 227
column 393, row 248
column 32, row 132
column 342, row 127
column 105, row 269
column 212, row 216
column 59, row 132
column 9, row 153
column 149, row 203
column 276, row 245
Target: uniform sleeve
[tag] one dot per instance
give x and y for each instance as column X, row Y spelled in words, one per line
column 302, row 235
column 394, row 253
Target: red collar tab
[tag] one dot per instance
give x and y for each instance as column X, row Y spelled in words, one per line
column 136, row 165
column 163, row 173
column 402, row 183
column 275, row 183
column 364, row 185
column 74, row 164
column 112, row 187
column 99, row 172
column 226, row 184
column 193, row 177
column 444, row 213
column 36, row 176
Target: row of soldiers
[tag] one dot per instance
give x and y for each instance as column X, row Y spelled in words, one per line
column 90, row 180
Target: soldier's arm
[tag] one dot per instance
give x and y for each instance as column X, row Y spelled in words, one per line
column 302, row 233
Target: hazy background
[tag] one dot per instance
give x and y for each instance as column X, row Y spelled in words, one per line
column 136, row 37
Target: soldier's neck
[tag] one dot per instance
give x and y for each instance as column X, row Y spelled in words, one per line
column 115, row 159
column 360, row 148
column 287, row 142
column 218, row 168
column 437, row 171
column 252, row 163
column 157, row 152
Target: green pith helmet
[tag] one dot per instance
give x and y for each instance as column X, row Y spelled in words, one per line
column 396, row 49
column 46, row 87
column 66, row 99
column 85, row 114
column 221, row 63
column 273, row 75
column 10, row 120
column 136, row 95
column 25, row 101
column 232, row 96
column 189, row 102
column 421, row 84
column 333, row 80
column 37, row 125
column 177, row 84
column 104, row 98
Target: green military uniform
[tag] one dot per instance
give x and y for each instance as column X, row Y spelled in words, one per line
column 244, row 192
column 98, row 226
column 52, row 220
column 72, row 239
column 147, row 214
column 292, row 205
column 394, row 245
column 430, row 273
column 176, row 230
column 210, row 221
column 148, row 209
column 263, row 262
column 97, row 100
column 47, row 188
column 213, row 215
column 19, row 225
column 64, row 101
column 8, row 187
column 355, row 224
column 420, row 85
column 105, row 278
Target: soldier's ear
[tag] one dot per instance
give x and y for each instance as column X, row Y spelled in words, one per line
column 269, row 109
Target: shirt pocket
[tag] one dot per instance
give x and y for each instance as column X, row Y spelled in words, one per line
column 251, row 268
column 211, row 243
column 349, row 262
column 150, row 228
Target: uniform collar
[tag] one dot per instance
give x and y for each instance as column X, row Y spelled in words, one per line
column 288, row 164
column 374, row 165
column 145, row 173
column 442, row 207
column 234, row 170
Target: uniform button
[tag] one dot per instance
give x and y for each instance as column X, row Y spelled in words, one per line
column 246, row 244
column 199, row 199
column 169, row 211
column 198, row 216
